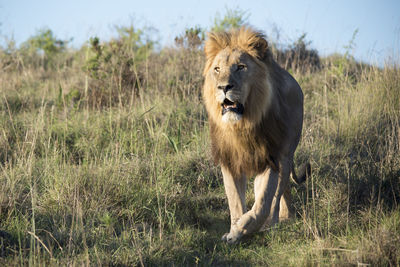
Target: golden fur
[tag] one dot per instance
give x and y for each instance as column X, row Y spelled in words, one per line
column 255, row 111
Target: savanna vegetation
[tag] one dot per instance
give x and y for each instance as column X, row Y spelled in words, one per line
column 105, row 159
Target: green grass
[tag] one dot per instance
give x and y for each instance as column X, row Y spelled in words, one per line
column 131, row 181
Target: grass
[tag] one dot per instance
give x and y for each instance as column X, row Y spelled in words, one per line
column 128, row 179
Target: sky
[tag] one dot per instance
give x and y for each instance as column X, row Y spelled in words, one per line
column 329, row 24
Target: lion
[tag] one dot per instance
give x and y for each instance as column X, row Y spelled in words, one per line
column 255, row 113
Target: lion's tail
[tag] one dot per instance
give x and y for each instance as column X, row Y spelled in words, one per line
column 305, row 171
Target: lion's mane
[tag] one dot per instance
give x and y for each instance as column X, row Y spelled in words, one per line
column 253, row 143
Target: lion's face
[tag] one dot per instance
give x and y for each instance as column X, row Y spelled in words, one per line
column 236, row 88
column 231, row 73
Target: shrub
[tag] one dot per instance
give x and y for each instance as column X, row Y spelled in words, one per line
column 113, row 67
column 234, row 18
column 193, row 38
column 299, row 57
column 42, row 49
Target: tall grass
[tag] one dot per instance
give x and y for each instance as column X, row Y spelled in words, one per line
column 94, row 172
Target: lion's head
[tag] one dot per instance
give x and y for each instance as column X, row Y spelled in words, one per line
column 236, row 86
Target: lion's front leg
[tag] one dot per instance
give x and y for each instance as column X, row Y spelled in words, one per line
column 265, row 186
column 268, row 188
column 235, row 189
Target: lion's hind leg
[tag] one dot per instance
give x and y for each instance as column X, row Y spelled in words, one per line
column 286, row 210
column 285, row 206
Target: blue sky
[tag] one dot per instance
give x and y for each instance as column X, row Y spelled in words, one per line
column 328, row 24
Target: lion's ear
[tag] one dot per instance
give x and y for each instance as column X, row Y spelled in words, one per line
column 253, row 42
column 211, row 46
column 260, row 45
column 216, row 41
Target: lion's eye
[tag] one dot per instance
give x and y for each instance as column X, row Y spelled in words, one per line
column 216, row 69
column 241, row 67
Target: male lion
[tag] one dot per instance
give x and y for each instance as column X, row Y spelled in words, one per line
column 255, row 111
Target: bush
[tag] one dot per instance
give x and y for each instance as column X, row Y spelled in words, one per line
column 43, row 48
column 299, row 57
column 113, row 68
column 192, row 39
column 234, row 18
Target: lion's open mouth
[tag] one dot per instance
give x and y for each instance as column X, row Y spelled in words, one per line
column 228, row 105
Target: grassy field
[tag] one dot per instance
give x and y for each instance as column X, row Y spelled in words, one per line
column 105, row 160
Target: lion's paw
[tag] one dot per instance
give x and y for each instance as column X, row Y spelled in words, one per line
column 232, row 237
column 223, row 238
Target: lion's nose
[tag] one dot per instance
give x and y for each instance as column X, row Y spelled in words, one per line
column 225, row 88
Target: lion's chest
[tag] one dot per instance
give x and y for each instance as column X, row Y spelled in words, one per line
column 242, row 153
